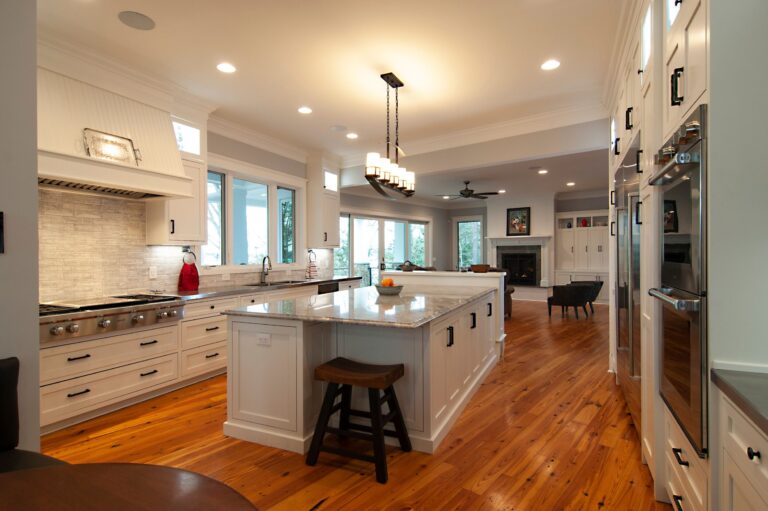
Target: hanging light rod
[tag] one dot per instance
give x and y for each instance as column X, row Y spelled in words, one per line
column 383, row 174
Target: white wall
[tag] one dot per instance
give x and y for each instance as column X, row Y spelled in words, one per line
column 542, row 213
column 738, row 183
column 18, row 202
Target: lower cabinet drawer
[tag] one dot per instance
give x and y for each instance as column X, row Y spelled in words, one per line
column 740, row 439
column 201, row 309
column 678, row 494
column 72, row 360
column 201, row 332
column 72, row 397
column 203, row 359
column 690, row 469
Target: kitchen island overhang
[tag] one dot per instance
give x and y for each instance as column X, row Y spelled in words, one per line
column 445, row 336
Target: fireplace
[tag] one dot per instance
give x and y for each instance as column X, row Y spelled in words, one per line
column 522, row 264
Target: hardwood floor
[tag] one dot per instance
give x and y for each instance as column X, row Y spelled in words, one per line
column 548, row 430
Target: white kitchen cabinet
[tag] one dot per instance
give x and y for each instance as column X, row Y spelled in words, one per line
column 581, row 241
column 684, row 465
column 598, row 248
column 565, row 247
column 737, row 492
column 630, row 121
column 685, row 60
column 180, row 221
column 323, row 204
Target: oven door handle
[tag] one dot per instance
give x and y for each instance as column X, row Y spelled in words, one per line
column 676, row 303
column 660, row 178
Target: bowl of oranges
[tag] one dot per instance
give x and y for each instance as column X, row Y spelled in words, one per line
column 387, row 287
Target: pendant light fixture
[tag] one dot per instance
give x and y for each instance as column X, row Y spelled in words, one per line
column 385, row 174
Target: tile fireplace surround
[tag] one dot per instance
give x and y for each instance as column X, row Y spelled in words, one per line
column 524, row 244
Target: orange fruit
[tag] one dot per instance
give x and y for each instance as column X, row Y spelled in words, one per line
column 387, row 282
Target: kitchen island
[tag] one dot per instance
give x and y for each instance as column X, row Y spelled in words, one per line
column 445, row 336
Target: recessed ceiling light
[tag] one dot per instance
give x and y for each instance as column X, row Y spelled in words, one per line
column 305, row 110
column 351, row 135
column 446, row 197
column 136, row 20
column 543, row 171
column 550, row 65
column 226, row 67
column 570, row 184
column 502, row 191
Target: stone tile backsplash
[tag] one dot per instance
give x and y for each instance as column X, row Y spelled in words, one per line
column 92, row 246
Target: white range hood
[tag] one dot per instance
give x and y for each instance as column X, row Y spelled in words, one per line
column 67, row 106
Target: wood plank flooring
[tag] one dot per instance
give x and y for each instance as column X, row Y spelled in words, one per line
column 548, row 430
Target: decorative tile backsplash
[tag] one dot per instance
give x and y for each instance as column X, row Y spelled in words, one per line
column 93, row 246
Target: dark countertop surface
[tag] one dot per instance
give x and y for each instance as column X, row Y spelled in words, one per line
column 748, row 391
column 221, row 292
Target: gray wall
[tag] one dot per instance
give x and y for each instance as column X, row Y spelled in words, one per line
column 586, row 204
column 224, row 146
column 18, row 202
column 440, row 221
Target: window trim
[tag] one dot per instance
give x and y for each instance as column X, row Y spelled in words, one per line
column 232, row 168
column 455, row 236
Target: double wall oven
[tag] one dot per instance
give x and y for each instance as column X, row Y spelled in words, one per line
column 683, row 291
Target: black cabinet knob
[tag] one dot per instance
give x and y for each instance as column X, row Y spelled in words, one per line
column 752, row 454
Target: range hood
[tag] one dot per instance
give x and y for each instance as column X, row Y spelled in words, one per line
column 69, row 110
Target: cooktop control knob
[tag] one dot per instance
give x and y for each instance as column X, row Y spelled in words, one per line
column 73, row 328
column 57, row 330
column 173, row 313
column 138, row 318
column 105, row 323
column 162, row 315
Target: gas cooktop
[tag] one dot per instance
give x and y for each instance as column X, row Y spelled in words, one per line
column 108, row 302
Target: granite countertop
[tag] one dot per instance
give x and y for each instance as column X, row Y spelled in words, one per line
column 221, row 292
column 415, row 307
column 748, row 391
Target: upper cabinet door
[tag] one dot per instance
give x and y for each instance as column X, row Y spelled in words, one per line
column 187, row 216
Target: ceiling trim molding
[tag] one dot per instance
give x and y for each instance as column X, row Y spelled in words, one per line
column 82, row 63
column 411, row 201
column 253, row 138
column 553, row 119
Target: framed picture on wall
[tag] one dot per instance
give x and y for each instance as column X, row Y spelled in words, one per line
column 518, row 222
column 670, row 216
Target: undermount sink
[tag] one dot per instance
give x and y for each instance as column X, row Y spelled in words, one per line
column 276, row 283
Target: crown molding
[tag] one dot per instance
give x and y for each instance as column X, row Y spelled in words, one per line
column 253, row 138
column 559, row 118
column 629, row 17
column 86, row 65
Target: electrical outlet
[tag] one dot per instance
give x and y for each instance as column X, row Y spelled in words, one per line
column 263, row 340
column 225, row 276
column 152, row 272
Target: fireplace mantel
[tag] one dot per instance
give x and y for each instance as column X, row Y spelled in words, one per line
column 543, row 241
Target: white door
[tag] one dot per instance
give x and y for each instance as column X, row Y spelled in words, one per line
column 582, row 248
column 598, row 248
column 565, row 249
column 330, row 219
column 187, row 222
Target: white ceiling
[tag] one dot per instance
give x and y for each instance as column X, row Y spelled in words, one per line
column 587, row 170
column 465, row 64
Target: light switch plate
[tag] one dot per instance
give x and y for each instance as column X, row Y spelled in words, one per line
column 152, row 272
column 263, row 340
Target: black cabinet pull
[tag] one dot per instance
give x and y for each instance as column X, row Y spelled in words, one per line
column 490, row 309
column 81, row 357
column 678, row 2
column 613, row 232
column 450, row 336
column 149, row 373
column 212, row 355
column 613, row 197
column 173, row 226
column 474, row 320
column 616, row 147
column 74, row 394
column 674, row 86
column 211, row 328
column 213, row 307
column 628, row 124
column 637, row 213
column 680, row 461
column 678, row 499
column 752, row 454
column 148, row 343
column 325, row 236
column 637, row 161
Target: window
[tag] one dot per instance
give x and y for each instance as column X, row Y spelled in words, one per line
column 469, row 241
column 646, row 48
column 252, row 215
column 331, row 181
column 212, row 253
column 250, row 222
column 187, row 138
column 368, row 242
column 286, row 225
column 673, row 9
column 613, row 133
column 341, row 259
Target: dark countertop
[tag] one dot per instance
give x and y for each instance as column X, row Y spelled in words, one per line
column 233, row 290
column 748, row 391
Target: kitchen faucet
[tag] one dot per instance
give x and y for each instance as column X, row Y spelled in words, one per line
column 266, row 265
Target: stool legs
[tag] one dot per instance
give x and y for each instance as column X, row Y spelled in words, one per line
column 322, row 423
column 397, row 420
column 377, row 431
column 346, row 404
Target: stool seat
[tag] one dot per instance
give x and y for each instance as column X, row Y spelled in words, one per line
column 348, row 372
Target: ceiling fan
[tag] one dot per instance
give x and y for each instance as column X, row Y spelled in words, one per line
column 468, row 193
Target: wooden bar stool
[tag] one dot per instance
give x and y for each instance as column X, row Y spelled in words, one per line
column 341, row 374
